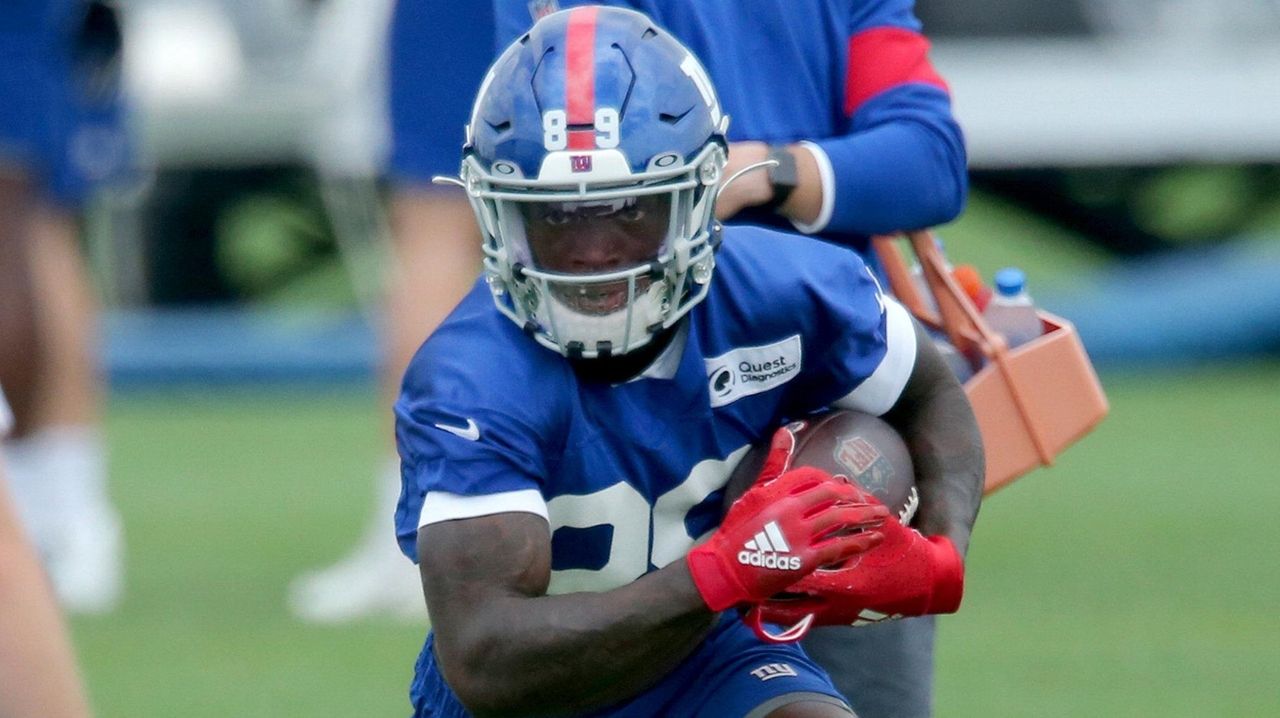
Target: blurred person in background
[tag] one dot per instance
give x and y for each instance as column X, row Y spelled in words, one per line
column 842, row 94
column 60, row 134
column 37, row 665
column 437, row 52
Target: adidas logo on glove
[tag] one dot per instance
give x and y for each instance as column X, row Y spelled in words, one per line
column 768, row 549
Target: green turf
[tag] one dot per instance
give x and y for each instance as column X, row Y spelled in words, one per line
column 1136, row 578
column 225, row 499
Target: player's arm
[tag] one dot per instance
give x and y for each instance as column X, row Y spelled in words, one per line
column 504, row 646
column 935, row 418
column 897, row 373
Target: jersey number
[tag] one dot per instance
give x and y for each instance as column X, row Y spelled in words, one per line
column 555, row 129
column 623, row 507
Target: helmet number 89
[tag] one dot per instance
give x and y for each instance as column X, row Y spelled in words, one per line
column 555, row 129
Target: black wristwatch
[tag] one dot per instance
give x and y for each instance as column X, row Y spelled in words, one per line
column 782, row 177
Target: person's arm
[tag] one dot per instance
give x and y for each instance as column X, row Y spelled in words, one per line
column 915, row 570
column 901, row 162
column 902, row 168
column 936, row 420
column 874, row 357
column 37, row 665
column 503, row 645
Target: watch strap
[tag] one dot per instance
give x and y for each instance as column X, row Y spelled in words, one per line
column 782, row 177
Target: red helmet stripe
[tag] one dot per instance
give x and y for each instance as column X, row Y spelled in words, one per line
column 580, row 76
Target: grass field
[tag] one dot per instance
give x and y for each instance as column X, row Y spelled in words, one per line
column 1136, row 578
column 225, row 498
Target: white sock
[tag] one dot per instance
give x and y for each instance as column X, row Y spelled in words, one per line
column 56, row 475
column 59, row 477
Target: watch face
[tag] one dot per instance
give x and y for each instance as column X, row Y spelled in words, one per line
column 782, row 176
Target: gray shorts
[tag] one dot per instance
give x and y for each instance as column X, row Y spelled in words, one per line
column 885, row 670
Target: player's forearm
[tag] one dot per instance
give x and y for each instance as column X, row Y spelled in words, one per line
column 936, row 420
column 569, row 653
column 949, row 467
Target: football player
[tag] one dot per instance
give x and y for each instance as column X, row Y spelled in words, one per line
column 567, row 433
column 61, row 133
column 843, row 95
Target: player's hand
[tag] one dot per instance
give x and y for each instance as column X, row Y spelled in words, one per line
column 908, row 574
column 750, row 189
column 790, row 522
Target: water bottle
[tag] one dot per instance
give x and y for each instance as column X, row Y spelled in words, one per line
column 1011, row 311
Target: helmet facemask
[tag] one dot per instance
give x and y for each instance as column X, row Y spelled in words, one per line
column 594, row 270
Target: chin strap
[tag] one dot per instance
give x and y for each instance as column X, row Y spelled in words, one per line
column 446, row 180
column 763, row 164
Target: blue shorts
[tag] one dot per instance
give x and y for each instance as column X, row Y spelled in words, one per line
column 61, row 119
column 730, row 675
column 438, row 56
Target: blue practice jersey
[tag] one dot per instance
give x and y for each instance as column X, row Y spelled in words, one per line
column 852, row 76
column 630, row 476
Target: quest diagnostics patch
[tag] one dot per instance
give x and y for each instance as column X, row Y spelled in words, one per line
column 750, row 370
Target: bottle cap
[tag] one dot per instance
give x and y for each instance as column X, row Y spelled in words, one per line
column 1010, row 281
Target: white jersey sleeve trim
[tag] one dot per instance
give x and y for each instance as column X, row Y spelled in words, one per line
column 880, row 391
column 440, row 506
column 828, row 177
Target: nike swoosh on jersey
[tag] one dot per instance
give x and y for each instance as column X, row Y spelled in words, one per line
column 470, row 432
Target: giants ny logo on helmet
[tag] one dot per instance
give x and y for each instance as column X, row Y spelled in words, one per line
column 769, row 549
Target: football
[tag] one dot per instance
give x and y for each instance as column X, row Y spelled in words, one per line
column 862, row 447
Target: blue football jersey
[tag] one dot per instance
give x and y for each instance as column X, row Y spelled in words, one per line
column 630, row 475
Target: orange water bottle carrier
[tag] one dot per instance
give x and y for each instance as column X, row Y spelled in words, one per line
column 1032, row 401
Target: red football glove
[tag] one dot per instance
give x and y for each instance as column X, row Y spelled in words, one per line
column 908, row 574
column 786, row 525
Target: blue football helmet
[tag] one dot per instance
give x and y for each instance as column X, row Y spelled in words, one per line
column 592, row 161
